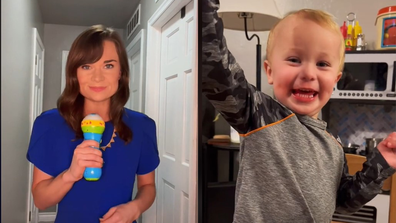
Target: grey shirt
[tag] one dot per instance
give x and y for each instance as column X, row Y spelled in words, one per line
column 291, row 168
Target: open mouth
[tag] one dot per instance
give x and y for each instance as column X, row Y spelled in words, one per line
column 304, row 94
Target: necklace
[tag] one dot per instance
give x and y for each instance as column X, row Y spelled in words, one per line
column 111, row 141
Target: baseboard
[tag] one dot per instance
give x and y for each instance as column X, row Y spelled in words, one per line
column 47, row 216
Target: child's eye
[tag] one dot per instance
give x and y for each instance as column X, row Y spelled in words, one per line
column 109, row 66
column 322, row 64
column 294, row 60
column 84, row 67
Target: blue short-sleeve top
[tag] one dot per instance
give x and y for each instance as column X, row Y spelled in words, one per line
column 51, row 150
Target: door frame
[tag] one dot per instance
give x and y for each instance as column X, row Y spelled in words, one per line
column 153, row 64
column 65, row 54
column 137, row 44
column 35, row 38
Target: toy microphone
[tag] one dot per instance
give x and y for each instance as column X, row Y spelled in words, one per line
column 93, row 127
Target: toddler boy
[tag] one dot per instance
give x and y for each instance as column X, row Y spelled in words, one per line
column 291, row 168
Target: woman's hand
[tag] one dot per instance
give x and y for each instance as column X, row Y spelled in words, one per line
column 124, row 213
column 388, row 149
column 129, row 212
column 84, row 156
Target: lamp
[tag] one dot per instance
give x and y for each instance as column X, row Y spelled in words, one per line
column 250, row 15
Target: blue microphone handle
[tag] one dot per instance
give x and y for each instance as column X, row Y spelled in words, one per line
column 93, row 173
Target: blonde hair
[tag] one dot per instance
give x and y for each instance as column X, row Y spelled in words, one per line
column 321, row 18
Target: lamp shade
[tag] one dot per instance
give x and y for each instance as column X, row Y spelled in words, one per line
column 261, row 14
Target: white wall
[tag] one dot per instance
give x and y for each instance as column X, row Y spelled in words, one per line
column 148, row 7
column 245, row 51
column 56, row 39
column 17, row 19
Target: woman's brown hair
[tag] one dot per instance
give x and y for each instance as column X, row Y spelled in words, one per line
column 88, row 48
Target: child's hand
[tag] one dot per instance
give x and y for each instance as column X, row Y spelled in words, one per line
column 388, row 149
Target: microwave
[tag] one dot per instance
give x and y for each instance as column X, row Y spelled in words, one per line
column 368, row 75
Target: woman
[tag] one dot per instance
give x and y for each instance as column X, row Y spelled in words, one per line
column 97, row 80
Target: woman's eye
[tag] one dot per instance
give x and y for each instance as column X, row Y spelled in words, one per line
column 84, row 67
column 109, row 66
column 294, row 60
column 322, row 64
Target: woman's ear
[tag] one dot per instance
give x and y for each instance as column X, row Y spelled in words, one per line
column 268, row 71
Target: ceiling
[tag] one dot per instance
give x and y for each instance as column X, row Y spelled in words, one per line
column 112, row 13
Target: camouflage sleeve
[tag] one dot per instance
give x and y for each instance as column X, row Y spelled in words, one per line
column 223, row 80
column 355, row 191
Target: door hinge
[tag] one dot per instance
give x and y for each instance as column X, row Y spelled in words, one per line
column 183, row 12
column 35, row 60
column 30, row 216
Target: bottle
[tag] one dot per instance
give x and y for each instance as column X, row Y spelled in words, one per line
column 357, row 30
column 349, row 38
column 343, row 30
column 360, row 42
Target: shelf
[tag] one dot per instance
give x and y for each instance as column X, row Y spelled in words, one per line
column 371, row 51
column 221, row 184
column 226, row 146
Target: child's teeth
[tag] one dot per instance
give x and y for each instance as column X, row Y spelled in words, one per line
column 305, row 96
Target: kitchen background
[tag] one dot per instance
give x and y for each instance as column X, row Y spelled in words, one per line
column 245, row 51
column 352, row 122
column 355, row 122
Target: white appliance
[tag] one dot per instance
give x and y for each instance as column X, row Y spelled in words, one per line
column 377, row 210
column 381, row 203
column 368, row 75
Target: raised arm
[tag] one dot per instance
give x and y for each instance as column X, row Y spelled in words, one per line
column 355, row 191
column 223, row 80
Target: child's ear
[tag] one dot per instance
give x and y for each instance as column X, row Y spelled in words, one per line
column 268, row 71
column 339, row 76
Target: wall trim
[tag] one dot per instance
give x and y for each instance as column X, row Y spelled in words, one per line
column 47, row 216
column 65, row 54
column 137, row 44
column 139, row 37
column 32, row 211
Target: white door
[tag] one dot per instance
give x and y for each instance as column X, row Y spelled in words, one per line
column 135, row 101
column 135, row 60
column 176, row 122
column 135, row 97
column 36, row 107
column 135, row 85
